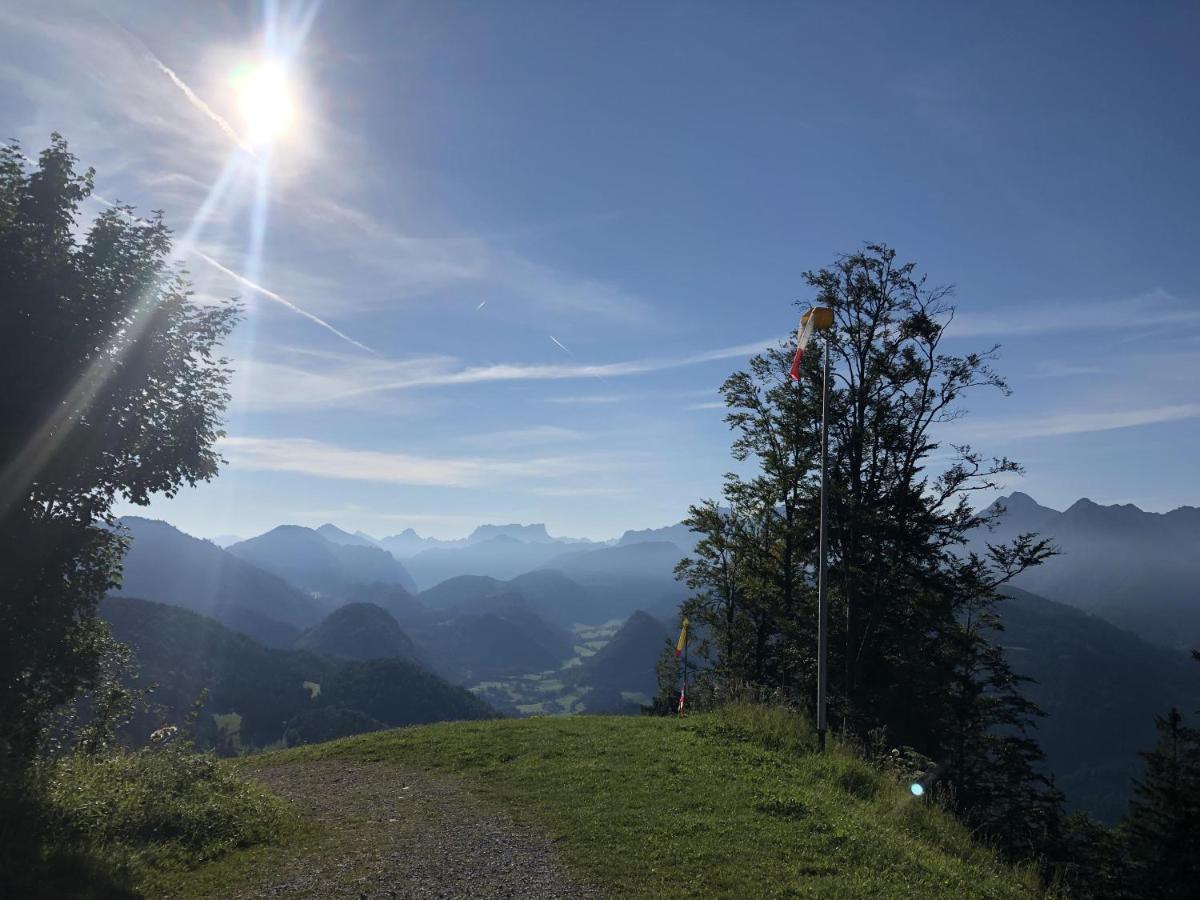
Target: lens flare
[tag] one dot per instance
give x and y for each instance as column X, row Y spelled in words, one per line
column 917, row 788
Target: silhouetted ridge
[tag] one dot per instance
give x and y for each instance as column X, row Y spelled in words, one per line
column 168, row 566
column 308, row 560
column 359, row 631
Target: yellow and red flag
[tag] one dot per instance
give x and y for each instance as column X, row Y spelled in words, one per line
column 682, row 642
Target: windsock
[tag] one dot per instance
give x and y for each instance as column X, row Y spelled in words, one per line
column 819, row 317
column 682, row 642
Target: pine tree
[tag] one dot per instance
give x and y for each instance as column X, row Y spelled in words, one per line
column 1164, row 815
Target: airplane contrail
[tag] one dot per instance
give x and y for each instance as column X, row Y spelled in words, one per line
column 198, row 103
column 192, row 97
column 560, row 343
column 480, row 306
column 267, row 292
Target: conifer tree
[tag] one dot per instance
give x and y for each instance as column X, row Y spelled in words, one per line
column 1164, row 816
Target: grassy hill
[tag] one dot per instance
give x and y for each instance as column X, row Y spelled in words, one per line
column 732, row 803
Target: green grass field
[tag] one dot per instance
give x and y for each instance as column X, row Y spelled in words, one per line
column 732, row 803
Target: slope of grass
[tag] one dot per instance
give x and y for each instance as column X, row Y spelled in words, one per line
column 722, row 804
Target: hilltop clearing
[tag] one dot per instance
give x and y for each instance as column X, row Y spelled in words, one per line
column 722, row 804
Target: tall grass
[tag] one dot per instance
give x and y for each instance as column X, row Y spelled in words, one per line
column 104, row 821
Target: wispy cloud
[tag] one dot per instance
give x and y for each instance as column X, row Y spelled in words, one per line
column 518, row 372
column 537, row 435
column 1067, row 423
column 417, row 265
column 586, row 399
column 715, row 404
column 1057, row 368
column 306, row 378
column 1154, row 309
column 309, row 457
column 583, row 491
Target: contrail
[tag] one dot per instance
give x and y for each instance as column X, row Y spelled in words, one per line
column 560, row 343
column 195, row 100
column 192, row 96
column 480, row 306
column 266, row 292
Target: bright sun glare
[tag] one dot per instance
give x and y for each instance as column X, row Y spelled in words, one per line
column 265, row 99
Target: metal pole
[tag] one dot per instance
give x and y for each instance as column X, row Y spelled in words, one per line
column 683, row 687
column 823, row 569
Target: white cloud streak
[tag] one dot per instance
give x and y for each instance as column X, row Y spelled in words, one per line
column 1151, row 310
column 1068, row 423
column 517, row 372
column 587, row 399
column 326, row 380
column 308, row 457
column 522, row 437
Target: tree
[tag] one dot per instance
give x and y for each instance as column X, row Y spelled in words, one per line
column 1164, row 816
column 112, row 390
column 912, row 613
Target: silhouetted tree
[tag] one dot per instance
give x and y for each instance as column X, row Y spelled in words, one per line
column 1164, row 815
column 111, row 390
column 913, row 615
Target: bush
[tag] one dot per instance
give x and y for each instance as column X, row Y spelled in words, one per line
column 167, row 804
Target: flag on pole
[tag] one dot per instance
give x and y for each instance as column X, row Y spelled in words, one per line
column 682, row 642
column 818, row 317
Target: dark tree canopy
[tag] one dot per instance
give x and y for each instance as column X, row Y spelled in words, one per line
column 111, row 390
column 912, row 611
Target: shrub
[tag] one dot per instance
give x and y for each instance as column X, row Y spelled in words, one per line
column 162, row 804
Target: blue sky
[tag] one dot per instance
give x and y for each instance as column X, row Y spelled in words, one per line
column 559, row 226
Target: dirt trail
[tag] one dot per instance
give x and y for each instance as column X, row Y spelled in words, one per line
column 389, row 832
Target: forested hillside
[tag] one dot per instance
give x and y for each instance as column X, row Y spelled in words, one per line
column 1095, row 682
column 264, row 696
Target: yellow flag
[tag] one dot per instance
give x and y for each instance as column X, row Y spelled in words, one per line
column 682, row 642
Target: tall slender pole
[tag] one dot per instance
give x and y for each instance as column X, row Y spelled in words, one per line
column 683, row 689
column 823, row 569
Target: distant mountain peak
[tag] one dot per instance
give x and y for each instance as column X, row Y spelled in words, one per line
column 1019, row 498
column 534, row 534
column 331, row 532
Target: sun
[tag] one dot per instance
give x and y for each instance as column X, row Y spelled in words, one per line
column 266, row 100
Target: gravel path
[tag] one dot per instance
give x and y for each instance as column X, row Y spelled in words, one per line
column 389, row 832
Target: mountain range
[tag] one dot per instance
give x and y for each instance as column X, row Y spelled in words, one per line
column 1137, row 569
column 311, row 561
column 1099, row 627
